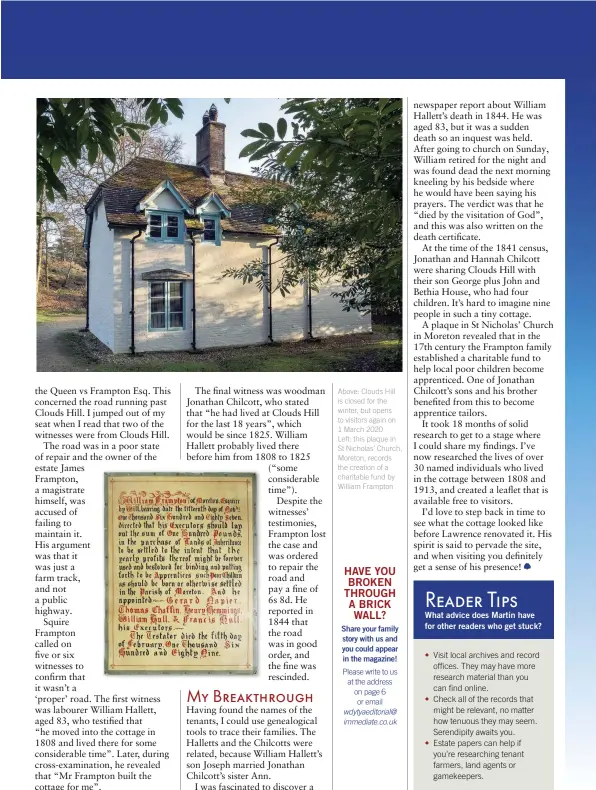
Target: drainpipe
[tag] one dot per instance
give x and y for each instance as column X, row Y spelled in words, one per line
column 88, row 264
column 310, row 337
column 194, row 295
column 87, row 295
column 270, row 289
column 132, row 291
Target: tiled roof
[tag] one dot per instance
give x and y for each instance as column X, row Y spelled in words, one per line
column 123, row 191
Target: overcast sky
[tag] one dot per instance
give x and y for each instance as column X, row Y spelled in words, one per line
column 238, row 115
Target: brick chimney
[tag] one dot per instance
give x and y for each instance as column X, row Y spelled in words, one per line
column 211, row 143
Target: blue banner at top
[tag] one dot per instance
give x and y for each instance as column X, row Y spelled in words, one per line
column 488, row 609
column 268, row 40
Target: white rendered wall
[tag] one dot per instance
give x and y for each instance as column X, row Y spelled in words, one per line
column 290, row 314
column 228, row 313
column 149, row 256
column 328, row 318
column 101, row 279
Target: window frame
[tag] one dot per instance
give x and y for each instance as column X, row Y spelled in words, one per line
column 167, row 309
column 164, row 224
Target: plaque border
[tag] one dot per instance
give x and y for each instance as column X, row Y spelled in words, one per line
column 253, row 669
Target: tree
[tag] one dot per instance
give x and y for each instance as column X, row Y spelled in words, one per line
column 68, row 241
column 68, row 128
column 335, row 189
column 42, row 237
column 118, row 131
column 81, row 179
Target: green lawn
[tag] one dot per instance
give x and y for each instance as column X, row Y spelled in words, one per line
column 47, row 316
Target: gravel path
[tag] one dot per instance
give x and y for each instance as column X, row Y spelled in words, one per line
column 50, row 356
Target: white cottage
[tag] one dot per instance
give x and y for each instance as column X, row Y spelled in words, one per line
column 158, row 237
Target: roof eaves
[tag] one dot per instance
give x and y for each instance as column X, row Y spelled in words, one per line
column 95, row 198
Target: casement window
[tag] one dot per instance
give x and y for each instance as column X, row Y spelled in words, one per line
column 166, row 306
column 165, row 226
column 211, row 229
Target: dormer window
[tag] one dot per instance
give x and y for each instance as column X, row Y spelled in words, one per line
column 210, row 212
column 166, row 226
column 212, row 229
column 165, row 209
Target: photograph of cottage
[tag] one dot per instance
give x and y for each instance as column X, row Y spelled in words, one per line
column 193, row 256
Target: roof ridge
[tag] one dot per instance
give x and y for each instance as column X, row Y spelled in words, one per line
column 184, row 165
column 161, row 161
column 246, row 175
column 148, row 159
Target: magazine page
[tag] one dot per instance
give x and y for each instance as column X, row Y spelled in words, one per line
column 290, row 430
